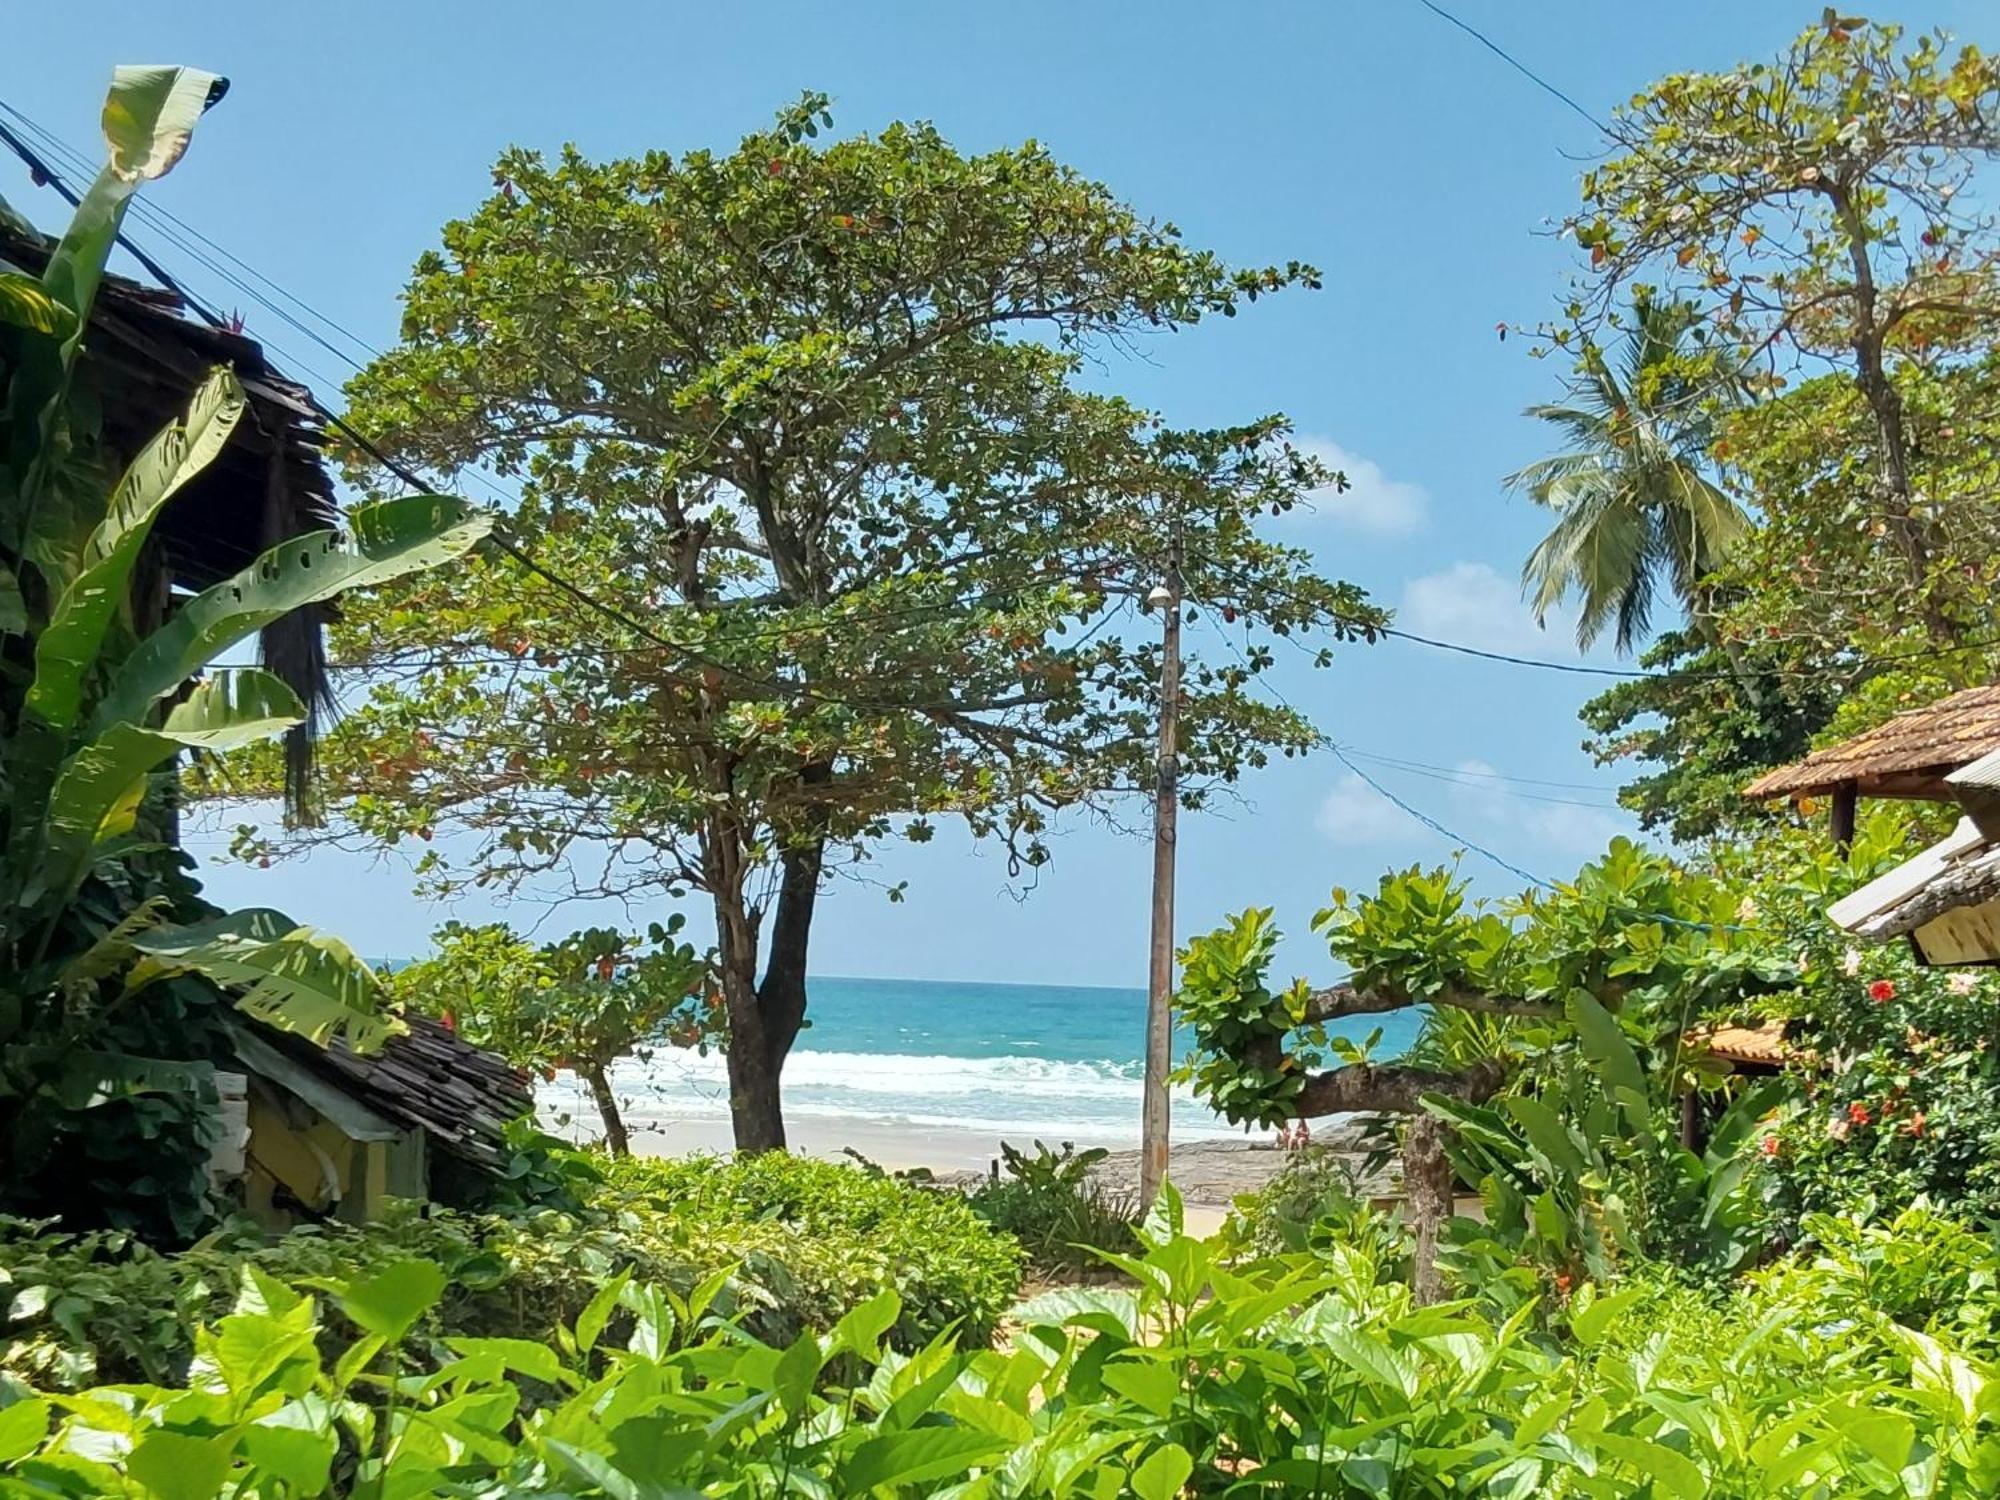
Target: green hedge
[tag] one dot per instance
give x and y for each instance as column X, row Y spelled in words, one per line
column 809, row 1241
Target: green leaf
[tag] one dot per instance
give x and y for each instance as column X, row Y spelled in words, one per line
column 797, row 1368
column 1604, row 1042
column 597, row 1312
column 1163, row 1473
column 98, row 790
column 862, row 1327
column 295, row 978
column 918, row 1455
column 1671, row 1472
column 13, row 609
column 1588, row 1326
column 22, row 1428
column 384, row 541
column 1548, row 1134
column 390, row 1302
column 526, row 1357
column 296, row 1454
column 1144, row 1382
column 67, row 649
column 174, row 1466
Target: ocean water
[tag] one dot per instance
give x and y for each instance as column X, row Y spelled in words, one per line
column 1022, row 1061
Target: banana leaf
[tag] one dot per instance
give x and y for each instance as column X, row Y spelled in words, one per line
column 294, row 978
column 68, row 647
column 384, row 541
column 148, row 118
column 98, row 790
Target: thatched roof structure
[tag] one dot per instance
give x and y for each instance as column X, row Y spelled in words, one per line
column 142, row 361
column 1909, row 756
column 427, row 1078
column 1753, row 1047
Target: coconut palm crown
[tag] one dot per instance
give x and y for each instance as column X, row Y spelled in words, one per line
column 1635, row 509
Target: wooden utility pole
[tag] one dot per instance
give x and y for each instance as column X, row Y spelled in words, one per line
column 1153, row 1122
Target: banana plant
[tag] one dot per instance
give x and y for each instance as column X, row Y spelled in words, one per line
column 93, row 713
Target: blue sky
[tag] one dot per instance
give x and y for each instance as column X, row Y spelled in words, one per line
column 1407, row 162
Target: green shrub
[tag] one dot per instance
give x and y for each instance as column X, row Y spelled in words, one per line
column 1292, row 1375
column 1313, row 1196
column 830, row 1235
column 806, row 1241
column 1060, row 1213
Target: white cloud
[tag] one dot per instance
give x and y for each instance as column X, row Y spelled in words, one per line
column 1372, row 502
column 1355, row 813
column 1470, row 603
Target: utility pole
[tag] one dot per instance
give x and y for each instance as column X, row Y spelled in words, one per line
column 1153, row 1121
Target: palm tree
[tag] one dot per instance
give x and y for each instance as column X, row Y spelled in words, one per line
column 1634, row 509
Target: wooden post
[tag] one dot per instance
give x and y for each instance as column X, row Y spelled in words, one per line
column 1154, row 1116
column 1842, row 817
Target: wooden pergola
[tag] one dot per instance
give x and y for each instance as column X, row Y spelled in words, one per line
column 1909, row 756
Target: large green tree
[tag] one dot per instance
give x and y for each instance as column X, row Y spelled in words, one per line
column 1634, row 501
column 822, row 533
column 1823, row 211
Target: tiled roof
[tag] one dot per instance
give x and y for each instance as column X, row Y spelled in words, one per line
column 427, row 1078
column 1907, row 756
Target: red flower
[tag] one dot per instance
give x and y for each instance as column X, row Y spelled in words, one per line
column 1769, row 1145
column 1858, row 1112
column 1563, row 1282
column 449, row 1020
column 1917, row 1123
column 1882, row 991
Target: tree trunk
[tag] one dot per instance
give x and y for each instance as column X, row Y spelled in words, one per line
column 782, row 995
column 616, row 1141
column 1886, row 404
column 1427, row 1198
column 753, row 1079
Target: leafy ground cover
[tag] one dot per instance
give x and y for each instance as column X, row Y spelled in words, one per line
column 803, row 1242
column 1297, row 1374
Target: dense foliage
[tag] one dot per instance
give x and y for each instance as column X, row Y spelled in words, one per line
column 1298, row 1374
column 1828, row 215
column 1061, row 1213
column 110, row 1017
column 580, row 1004
column 804, row 1243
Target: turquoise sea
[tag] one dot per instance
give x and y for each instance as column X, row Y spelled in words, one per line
column 1021, row 1060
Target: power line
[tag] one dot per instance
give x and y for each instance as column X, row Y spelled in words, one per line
column 1482, row 774
column 1499, row 786
column 1515, row 63
column 1436, row 827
